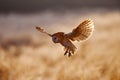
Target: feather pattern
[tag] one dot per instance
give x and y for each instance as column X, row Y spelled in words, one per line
column 82, row 32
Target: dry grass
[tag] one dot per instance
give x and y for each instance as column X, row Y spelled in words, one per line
column 37, row 58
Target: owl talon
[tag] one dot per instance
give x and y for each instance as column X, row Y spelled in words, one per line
column 65, row 53
column 69, row 54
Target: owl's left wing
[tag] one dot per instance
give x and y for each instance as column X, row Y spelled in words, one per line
column 82, row 32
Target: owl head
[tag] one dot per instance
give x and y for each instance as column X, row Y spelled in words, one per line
column 57, row 37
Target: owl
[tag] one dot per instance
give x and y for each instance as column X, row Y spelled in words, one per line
column 80, row 33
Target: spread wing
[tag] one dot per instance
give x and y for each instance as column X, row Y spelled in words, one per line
column 82, row 32
column 42, row 30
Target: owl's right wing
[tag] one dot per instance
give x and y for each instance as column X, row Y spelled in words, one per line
column 42, row 30
column 82, row 32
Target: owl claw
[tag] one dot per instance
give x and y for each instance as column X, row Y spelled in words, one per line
column 65, row 53
column 69, row 54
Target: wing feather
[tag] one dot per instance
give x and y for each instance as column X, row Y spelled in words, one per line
column 82, row 32
column 42, row 30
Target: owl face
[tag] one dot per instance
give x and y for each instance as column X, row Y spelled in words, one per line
column 57, row 37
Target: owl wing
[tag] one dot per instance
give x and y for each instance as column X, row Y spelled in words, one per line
column 42, row 30
column 82, row 32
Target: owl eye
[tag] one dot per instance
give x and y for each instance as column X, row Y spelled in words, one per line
column 55, row 39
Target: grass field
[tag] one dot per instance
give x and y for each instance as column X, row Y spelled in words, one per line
column 26, row 54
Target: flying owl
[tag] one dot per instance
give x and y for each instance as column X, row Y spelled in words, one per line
column 80, row 33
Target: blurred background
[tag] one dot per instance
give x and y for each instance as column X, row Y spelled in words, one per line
column 26, row 54
column 33, row 6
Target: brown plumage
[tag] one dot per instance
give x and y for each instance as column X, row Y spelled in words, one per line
column 81, row 32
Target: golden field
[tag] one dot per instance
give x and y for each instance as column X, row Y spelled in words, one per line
column 26, row 54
